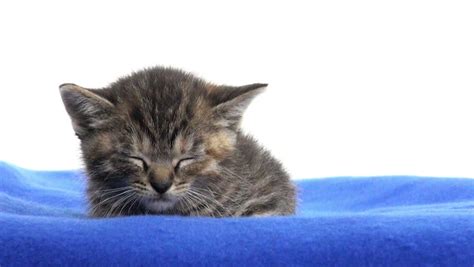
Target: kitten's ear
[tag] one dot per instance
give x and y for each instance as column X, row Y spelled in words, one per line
column 233, row 101
column 86, row 108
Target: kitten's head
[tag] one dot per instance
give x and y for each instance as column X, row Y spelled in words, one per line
column 152, row 137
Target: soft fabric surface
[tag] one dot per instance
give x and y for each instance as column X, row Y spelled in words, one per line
column 373, row 221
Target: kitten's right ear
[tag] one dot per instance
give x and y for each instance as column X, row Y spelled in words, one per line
column 87, row 109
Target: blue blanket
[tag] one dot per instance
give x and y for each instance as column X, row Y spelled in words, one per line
column 373, row 221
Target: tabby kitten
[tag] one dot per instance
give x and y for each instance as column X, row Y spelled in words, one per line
column 162, row 141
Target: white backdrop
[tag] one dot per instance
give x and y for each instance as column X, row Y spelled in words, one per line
column 356, row 87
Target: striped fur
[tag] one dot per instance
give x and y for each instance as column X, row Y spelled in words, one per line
column 162, row 141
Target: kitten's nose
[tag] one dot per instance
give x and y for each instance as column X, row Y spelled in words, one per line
column 160, row 177
column 160, row 187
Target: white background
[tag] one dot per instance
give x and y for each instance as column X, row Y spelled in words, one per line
column 356, row 87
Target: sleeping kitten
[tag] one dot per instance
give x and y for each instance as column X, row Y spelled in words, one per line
column 162, row 141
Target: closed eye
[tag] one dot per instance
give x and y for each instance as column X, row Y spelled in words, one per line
column 183, row 162
column 140, row 162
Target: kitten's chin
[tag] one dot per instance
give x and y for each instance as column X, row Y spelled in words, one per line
column 164, row 203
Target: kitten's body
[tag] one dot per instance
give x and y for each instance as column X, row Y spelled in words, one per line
column 162, row 141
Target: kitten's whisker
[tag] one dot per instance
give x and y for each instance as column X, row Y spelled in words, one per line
column 104, row 201
column 130, row 199
column 114, row 196
column 113, row 189
column 118, row 203
column 194, row 207
column 200, row 194
column 122, row 203
column 107, row 194
column 207, row 203
column 109, row 191
column 126, row 200
column 214, row 195
column 189, row 203
column 196, row 201
column 133, row 203
column 187, row 206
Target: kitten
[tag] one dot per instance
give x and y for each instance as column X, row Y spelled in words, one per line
column 162, row 141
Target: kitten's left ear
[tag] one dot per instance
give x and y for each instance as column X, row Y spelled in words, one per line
column 231, row 102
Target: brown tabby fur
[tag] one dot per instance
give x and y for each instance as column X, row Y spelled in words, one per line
column 162, row 141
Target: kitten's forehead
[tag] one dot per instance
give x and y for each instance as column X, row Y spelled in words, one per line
column 181, row 145
column 162, row 134
column 161, row 110
column 159, row 132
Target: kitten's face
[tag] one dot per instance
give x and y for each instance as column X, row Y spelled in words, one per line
column 153, row 141
column 159, row 175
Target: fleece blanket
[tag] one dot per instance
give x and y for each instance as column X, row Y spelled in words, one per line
column 345, row 221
